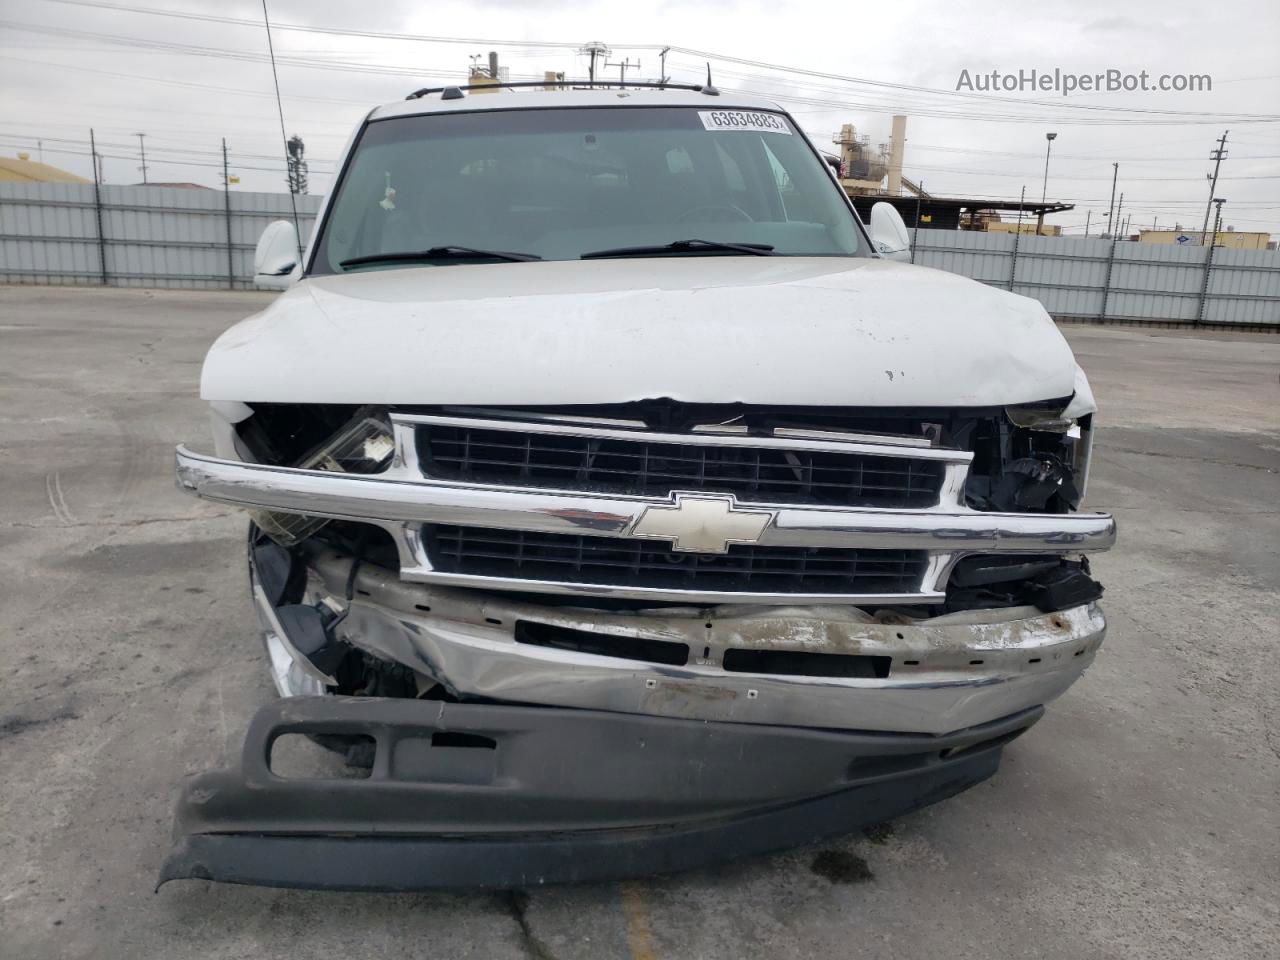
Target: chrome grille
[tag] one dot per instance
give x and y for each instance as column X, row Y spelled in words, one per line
column 647, row 465
column 607, row 561
column 841, row 547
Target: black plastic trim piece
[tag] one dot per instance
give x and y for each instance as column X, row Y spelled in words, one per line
column 561, row 796
column 802, row 663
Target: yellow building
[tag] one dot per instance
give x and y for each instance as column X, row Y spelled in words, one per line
column 1234, row 239
column 22, row 169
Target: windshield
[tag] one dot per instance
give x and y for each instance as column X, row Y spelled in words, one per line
column 560, row 183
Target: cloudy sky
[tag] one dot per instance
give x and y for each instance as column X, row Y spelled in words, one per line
column 198, row 73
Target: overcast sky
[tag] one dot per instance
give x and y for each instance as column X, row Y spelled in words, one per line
column 61, row 72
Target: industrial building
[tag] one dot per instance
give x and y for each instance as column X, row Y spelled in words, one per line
column 1230, row 237
column 870, row 175
column 22, row 169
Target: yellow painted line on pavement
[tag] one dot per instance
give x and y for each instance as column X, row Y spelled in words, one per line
column 639, row 932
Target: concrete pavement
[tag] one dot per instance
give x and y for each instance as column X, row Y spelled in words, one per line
column 1140, row 819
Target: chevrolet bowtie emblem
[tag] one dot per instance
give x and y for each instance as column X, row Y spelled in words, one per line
column 702, row 524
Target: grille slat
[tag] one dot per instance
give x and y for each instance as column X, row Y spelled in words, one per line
column 608, row 561
column 644, row 467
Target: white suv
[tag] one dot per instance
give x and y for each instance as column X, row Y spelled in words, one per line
column 619, row 506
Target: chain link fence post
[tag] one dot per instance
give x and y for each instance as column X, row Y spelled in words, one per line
column 226, row 196
column 97, row 208
column 1106, row 282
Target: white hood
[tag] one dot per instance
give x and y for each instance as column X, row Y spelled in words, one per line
column 813, row 331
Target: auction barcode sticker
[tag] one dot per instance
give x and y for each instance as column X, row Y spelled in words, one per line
column 744, row 120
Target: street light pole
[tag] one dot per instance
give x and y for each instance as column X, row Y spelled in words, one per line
column 1044, row 191
column 1049, row 138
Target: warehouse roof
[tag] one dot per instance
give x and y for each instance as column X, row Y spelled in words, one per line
column 25, row 170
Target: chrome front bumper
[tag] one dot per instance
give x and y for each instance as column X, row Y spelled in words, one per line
column 947, row 673
column 401, row 500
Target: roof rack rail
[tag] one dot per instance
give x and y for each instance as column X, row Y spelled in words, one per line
column 456, row 90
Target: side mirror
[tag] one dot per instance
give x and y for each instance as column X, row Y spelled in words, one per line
column 889, row 232
column 276, row 257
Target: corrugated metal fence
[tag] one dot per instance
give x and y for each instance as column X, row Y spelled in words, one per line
column 136, row 236
column 168, row 237
column 1096, row 279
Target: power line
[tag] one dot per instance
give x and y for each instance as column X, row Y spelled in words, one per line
column 162, row 150
column 704, row 55
column 174, row 163
column 1074, row 157
column 172, row 81
column 217, row 52
column 1029, row 176
column 334, row 31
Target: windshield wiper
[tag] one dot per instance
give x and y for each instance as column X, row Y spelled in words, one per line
column 450, row 252
column 683, row 247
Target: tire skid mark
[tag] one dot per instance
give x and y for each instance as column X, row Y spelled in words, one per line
column 57, row 499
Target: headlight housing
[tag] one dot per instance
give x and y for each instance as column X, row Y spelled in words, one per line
column 1042, row 431
column 364, row 444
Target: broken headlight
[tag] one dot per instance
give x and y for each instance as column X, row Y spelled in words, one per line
column 1048, row 458
column 1035, row 459
column 1046, row 416
column 364, row 444
column 1076, row 434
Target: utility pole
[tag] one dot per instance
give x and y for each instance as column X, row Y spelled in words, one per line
column 1216, row 156
column 1087, row 215
column 593, row 49
column 226, row 198
column 662, row 73
column 142, row 149
column 1115, row 233
column 40, row 150
column 623, row 67
column 1111, row 224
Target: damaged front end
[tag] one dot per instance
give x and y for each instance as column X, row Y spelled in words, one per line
column 593, row 642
